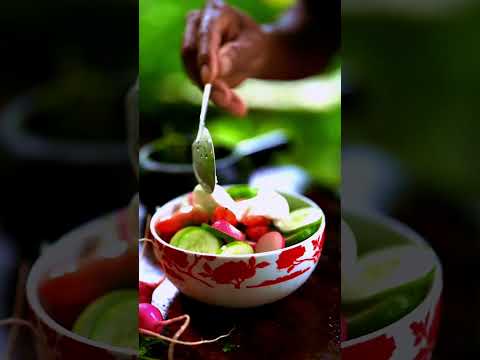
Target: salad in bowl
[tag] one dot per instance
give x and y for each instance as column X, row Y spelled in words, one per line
column 239, row 220
column 238, row 246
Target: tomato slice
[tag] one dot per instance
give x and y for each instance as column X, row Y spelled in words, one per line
column 186, row 216
column 256, row 232
column 222, row 213
column 256, row 220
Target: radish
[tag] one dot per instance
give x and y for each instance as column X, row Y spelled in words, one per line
column 151, row 323
column 146, row 289
column 271, row 241
column 150, row 318
column 225, row 227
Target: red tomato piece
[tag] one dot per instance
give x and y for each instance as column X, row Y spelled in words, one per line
column 222, row 213
column 256, row 232
column 180, row 219
column 255, row 220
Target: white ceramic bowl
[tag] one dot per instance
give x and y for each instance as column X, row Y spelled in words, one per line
column 239, row 281
column 414, row 335
column 58, row 258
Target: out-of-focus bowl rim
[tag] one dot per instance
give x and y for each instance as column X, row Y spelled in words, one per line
column 40, row 268
column 413, row 237
column 160, row 212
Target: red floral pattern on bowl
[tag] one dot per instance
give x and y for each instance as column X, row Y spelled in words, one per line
column 239, row 280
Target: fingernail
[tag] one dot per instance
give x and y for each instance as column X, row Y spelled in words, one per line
column 205, row 74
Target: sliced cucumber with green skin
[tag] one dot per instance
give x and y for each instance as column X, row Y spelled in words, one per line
column 237, row 248
column 381, row 314
column 118, row 325
column 243, row 192
column 194, row 238
column 387, row 272
column 298, row 219
column 219, row 234
column 417, row 289
column 302, row 234
column 86, row 322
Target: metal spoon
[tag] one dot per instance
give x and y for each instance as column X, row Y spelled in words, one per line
column 203, row 152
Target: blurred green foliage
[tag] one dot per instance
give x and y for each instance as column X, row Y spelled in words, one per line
column 315, row 138
column 418, row 92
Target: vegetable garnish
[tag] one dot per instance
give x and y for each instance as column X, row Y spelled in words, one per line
column 238, row 213
column 271, row 241
column 194, row 238
column 237, row 248
column 298, row 219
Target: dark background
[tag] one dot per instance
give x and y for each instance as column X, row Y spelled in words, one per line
column 65, row 68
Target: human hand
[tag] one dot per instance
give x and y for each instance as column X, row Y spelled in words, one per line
column 223, row 46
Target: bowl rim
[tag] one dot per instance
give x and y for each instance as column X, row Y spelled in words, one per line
column 41, row 266
column 167, row 206
column 405, row 231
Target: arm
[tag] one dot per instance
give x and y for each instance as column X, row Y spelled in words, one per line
column 303, row 41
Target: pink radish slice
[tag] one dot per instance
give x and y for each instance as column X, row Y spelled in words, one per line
column 150, row 318
column 227, row 228
column 271, row 241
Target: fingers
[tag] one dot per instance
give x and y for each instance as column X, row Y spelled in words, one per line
column 227, row 99
column 217, row 24
column 206, row 61
column 189, row 46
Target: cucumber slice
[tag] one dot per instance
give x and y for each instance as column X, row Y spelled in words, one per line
column 243, row 192
column 381, row 314
column 237, row 248
column 118, row 325
column 194, row 238
column 298, row 219
column 218, row 233
column 88, row 319
column 302, row 234
column 387, row 272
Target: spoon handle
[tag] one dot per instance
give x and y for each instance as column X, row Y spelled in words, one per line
column 203, row 112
